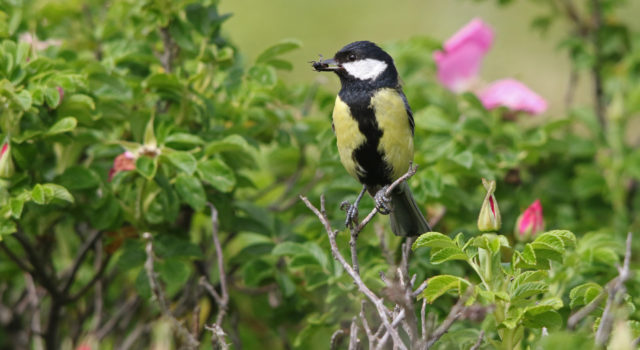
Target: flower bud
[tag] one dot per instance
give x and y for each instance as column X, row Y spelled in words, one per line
column 6, row 164
column 489, row 219
column 530, row 222
column 123, row 162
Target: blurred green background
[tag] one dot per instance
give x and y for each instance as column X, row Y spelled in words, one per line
column 325, row 26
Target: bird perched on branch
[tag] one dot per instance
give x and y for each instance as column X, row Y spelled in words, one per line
column 374, row 126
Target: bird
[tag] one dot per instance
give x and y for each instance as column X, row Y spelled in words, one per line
column 374, row 129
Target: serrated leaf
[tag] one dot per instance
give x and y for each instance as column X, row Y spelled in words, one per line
column 549, row 319
column 217, row 174
column 63, row 125
column 433, row 239
column 183, row 160
column 191, row 191
column 528, row 289
column 78, row 177
column 440, row 255
column 231, row 143
column 438, row 285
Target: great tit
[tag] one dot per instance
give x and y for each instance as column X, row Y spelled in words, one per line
column 374, row 126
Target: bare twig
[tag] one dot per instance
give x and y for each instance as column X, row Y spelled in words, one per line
column 127, row 307
column 375, row 300
column 158, row 294
column 353, row 334
column 615, row 295
column 365, row 325
column 335, row 338
column 21, row 264
column 476, row 346
column 423, row 319
column 453, row 315
column 34, row 302
column 596, row 70
column 614, row 286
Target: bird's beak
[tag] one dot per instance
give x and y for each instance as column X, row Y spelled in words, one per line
column 328, row 65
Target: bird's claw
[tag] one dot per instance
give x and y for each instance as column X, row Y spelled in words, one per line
column 352, row 214
column 383, row 203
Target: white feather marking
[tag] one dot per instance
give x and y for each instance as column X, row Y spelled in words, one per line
column 365, row 69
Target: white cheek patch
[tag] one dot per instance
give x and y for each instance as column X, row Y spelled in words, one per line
column 365, row 69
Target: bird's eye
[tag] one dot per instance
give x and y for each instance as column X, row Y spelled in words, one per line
column 352, row 57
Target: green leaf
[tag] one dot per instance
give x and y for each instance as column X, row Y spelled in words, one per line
column 263, row 75
column 175, row 273
column 464, row 158
column 288, row 249
column 231, row 143
column 584, row 294
column 438, row 285
column 16, row 205
column 63, row 125
column 550, row 319
column 23, row 98
column 147, row 166
column 52, row 96
column 183, row 160
column 217, row 174
column 433, row 239
column 183, row 139
column 58, row 192
column 278, row 49
column 7, row 227
column 78, row 177
column 38, row 195
column 440, row 255
column 191, row 191
column 432, row 118
column 528, row 289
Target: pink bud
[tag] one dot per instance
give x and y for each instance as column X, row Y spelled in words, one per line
column 60, row 92
column 459, row 61
column 6, row 163
column 5, row 147
column 514, row 95
column 123, row 162
column 530, row 222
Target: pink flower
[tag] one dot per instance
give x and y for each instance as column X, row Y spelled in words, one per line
column 123, row 162
column 459, row 62
column 84, row 347
column 514, row 95
column 530, row 222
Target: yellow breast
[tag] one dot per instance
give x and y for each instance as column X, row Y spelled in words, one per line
column 397, row 139
column 348, row 135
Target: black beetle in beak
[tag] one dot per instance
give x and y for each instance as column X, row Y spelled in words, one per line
column 328, row 65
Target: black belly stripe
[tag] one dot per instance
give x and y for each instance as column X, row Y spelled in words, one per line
column 377, row 172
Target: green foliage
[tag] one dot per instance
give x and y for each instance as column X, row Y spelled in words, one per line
column 126, row 117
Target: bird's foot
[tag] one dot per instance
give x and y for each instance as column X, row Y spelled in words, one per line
column 383, row 203
column 352, row 214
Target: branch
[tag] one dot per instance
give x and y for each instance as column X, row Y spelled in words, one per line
column 375, row 300
column 158, row 294
column 80, row 258
column 353, row 334
column 476, row 346
column 453, row 315
column 596, row 71
column 21, row 264
column 615, row 294
column 335, row 338
column 613, row 287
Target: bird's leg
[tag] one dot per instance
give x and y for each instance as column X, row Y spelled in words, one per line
column 352, row 209
column 382, row 201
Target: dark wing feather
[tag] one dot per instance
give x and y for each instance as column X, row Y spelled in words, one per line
column 408, row 109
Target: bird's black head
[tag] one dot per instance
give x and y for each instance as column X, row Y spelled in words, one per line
column 361, row 62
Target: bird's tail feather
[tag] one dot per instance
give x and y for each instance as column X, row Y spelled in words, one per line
column 406, row 218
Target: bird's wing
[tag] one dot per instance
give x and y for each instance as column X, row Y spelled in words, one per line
column 408, row 109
